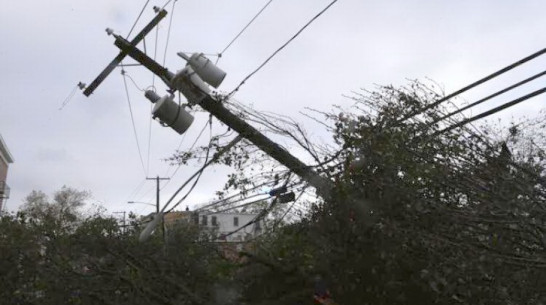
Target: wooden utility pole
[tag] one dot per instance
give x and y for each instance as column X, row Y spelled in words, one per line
column 215, row 107
column 157, row 180
column 157, row 191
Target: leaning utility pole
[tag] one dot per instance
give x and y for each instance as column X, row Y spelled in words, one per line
column 215, row 107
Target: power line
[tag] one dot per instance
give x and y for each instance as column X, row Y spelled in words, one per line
column 133, row 123
column 155, row 54
column 150, row 127
column 295, row 184
column 153, row 77
column 145, row 193
column 138, row 18
column 69, row 97
column 200, row 171
column 256, row 219
column 167, row 3
column 177, row 149
column 143, row 207
column 243, row 30
column 472, row 85
column 492, row 111
column 209, row 205
column 132, row 80
column 169, row 33
column 282, row 47
column 490, row 97
column 239, row 206
column 192, row 146
column 260, row 215
column 136, row 190
column 149, row 141
column 151, row 105
column 128, row 98
column 209, row 122
column 221, row 203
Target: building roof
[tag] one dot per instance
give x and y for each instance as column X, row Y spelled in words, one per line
column 4, row 151
column 232, row 213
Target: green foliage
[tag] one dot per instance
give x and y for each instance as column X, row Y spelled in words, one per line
column 98, row 262
column 61, row 213
column 415, row 217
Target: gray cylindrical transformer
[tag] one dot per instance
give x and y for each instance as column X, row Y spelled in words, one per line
column 171, row 114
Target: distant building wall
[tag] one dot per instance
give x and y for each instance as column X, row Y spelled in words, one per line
column 3, row 169
column 219, row 224
column 226, row 223
column 5, row 160
column 172, row 218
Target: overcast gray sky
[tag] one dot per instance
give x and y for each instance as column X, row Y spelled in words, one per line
column 48, row 46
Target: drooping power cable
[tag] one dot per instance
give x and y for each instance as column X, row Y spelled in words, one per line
column 138, row 18
column 472, row 85
column 242, row 31
column 169, row 33
column 282, row 47
column 133, row 123
column 492, row 111
column 213, row 159
column 191, row 147
column 489, row 97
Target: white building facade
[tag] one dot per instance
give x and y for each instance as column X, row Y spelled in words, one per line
column 231, row 227
column 5, row 160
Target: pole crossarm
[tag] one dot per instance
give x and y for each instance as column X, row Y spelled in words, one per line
column 114, row 63
column 215, row 107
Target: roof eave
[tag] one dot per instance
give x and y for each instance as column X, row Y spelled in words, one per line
column 5, row 151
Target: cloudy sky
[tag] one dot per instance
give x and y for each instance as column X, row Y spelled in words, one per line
column 49, row 46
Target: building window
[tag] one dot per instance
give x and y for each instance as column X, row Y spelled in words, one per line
column 204, row 220
column 236, row 221
column 213, row 221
